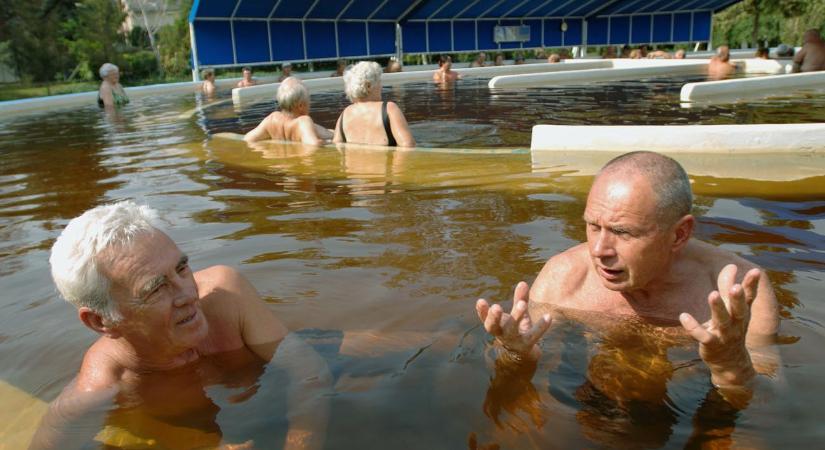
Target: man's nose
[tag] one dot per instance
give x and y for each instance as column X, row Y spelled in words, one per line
column 185, row 290
column 603, row 247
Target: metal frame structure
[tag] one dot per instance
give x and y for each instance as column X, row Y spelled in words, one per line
column 232, row 33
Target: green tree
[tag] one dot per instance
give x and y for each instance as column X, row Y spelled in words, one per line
column 774, row 21
column 93, row 33
column 174, row 44
column 32, row 29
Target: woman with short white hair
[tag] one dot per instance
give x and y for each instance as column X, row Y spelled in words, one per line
column 111, row 93
column 369, row 120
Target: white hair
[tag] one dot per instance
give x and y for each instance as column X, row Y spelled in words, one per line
column 291, row 93
column 106, row 69
column 75, row 254
column 360, row 79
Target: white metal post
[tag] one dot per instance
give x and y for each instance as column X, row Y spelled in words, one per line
column 196, row 75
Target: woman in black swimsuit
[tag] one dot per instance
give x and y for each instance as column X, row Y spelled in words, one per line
column 369, row 120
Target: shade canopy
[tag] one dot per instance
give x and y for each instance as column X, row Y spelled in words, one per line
column 249, row 32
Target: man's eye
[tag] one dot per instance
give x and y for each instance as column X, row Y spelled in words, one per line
column 183, row 268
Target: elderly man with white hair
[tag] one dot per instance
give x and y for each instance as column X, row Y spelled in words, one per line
column 168, row 336
column 292, row 122
column 369, row 120
column 111, row 93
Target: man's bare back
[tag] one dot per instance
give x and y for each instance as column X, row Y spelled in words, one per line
column 811, row 57
column 292, row 122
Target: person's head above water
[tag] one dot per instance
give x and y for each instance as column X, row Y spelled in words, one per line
column 667, row 178
column 133, row 286
column 84, row 247
column 363, row 81
column 723, row 53
column 445, row 62
column 811, row 36
column 644, row 195
column 293, row 96
column 108, row 69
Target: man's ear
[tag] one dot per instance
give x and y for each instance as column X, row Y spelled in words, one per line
column 96, row 322
column 682, row 231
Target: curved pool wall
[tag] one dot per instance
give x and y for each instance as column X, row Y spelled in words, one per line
column 34, row 105
column 628, row 69
column 775, row 166
column 252, row 94
column 725, row 91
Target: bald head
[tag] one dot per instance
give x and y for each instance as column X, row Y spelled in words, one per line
column 667, row 179
column 812, row 35
column 723, row 53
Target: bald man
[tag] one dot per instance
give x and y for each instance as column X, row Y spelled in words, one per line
column 641, row 262
column 292, row 122
column 719, row 66
column 812, row 56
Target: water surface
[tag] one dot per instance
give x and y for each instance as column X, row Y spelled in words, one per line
column 376, row 258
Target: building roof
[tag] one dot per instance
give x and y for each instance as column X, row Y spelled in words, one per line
column 269, row 31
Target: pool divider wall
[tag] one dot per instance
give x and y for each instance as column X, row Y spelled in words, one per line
column 726, row 91
column 245, row 96
column 763, row 138
column 608, row 70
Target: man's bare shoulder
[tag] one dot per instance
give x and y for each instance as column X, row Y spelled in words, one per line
column 561, row 276
column 221, row 282
column 712, row 258
column 101, row 368
column 305, row 120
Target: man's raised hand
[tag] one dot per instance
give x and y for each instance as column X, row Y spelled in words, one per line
column 722, row 339
column 515, row 331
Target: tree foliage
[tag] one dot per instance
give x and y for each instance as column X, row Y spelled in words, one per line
column 93, row 35
column 756, row 22
column 174, row 44
column 32, row 30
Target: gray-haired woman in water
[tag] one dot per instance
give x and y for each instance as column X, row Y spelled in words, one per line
column 369, row 120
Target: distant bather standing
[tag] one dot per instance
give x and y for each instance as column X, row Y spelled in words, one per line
column 369, row 120
column 111, row 93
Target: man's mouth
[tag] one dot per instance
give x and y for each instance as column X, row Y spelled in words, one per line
column 610, row 274
column 187, row 319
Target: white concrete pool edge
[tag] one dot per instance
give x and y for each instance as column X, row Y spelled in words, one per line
column 726, row 91
column 624, row 69
column 245, row 96
column 732, row 139
column 38, row 104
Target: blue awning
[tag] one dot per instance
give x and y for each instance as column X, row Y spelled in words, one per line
column 249, row 32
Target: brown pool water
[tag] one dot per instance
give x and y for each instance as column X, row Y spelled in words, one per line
column 376, row 258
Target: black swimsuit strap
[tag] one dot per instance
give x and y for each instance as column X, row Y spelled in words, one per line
column 386, row 118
